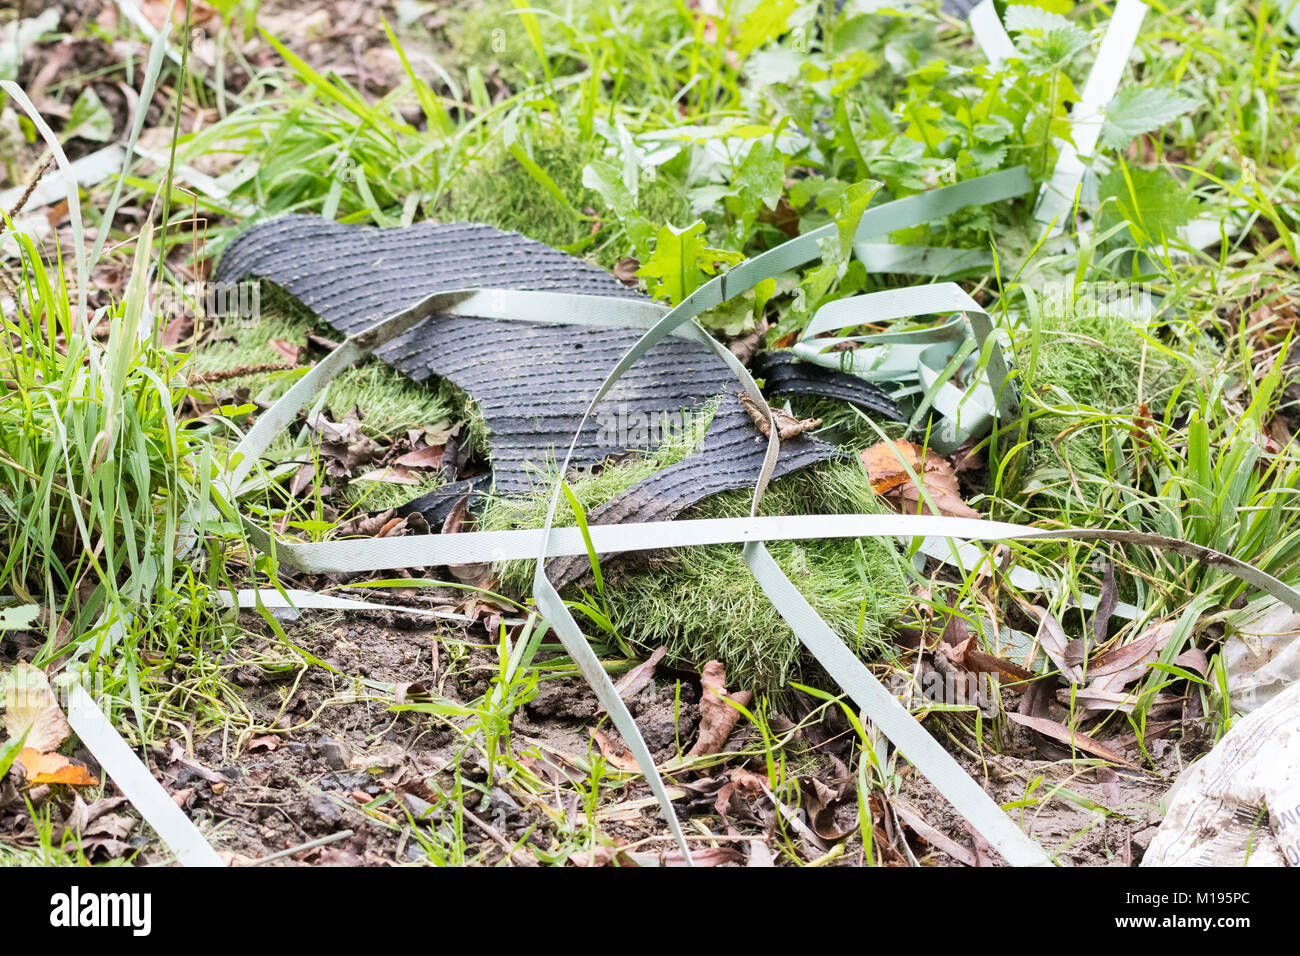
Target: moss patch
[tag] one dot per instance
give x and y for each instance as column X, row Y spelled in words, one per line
column 703, row 603
column 1087, row 370
column 390, row 402
column 495, row 189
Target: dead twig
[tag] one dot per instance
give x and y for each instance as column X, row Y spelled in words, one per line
column 21, row 204
column 309, row 845
column 239, row 371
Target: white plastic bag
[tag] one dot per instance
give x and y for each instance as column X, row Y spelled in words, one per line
column 1239, row 805
column 1262, row 654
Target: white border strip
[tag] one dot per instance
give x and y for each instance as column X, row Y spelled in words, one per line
column 136, row 782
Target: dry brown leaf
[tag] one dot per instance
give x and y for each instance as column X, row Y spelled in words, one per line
column 176, row 755
column 178, row 330
column 1193, row 659
column 54, row 768
column 321, row 343
column 266, row 742
column 625, row 271
column 1051, row 636
column 749, row 343
column 289, row 351
column 478, row 575
column 708, row 856
column 429, row 457
column 890, row 479
column 342, row 444
column 367, row 526
column 435, row 435
column 1072, row 738
column 937, row 838
column 1136, row 663
column 601, row 856
column 717, row 716
column 31, row 708
column 982, row 661
column 1122, row 658
column 302, row 480
column 613, row 753
column 820, row 801
column 631, row 683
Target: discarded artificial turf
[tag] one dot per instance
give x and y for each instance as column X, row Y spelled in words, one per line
column 703, row 603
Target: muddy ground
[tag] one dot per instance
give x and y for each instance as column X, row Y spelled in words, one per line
column 325, row 753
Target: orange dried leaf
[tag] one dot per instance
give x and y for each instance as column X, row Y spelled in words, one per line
column 938, row 491
column 54, row 768
column 884, row 463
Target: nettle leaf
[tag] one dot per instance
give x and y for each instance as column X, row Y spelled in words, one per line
column 902, row 166
column 1140, row 109
column 1051, row 6
column 89, row 118
column 761, row 176
column 988, row 156
column 1054, row 48
column 681, row 262
column 767, row 21
column 819, row 283
column 1023, row 16
column 1152, row 201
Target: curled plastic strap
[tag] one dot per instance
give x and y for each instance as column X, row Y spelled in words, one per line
column 886, row 257
column 929, row 356
column 136, row 782
column 990, row 34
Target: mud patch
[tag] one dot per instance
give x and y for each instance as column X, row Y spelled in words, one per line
column 1080, row 815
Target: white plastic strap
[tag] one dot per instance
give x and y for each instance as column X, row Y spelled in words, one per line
column 136, row 782
column 990, row 34
column 1057, row 195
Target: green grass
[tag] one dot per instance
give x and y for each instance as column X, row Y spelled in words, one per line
column 594, row 128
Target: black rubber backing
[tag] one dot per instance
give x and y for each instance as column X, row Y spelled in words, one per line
column 532, row 381
column 783, row 374
column 729, row 458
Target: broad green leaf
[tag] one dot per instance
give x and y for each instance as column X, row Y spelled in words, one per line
column 1140, row 109
column 9, row 752
column 681, row 262
column 836, row 250
column 758, row 182
column 89, row 118
column 765, row 22
column 1153, row 202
